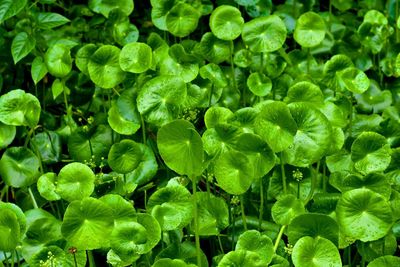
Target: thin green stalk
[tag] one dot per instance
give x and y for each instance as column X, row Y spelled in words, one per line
column 92, row 263
column 29, row 136
column 35, row 205
column 75, row 262
column 220, row 243
column 242, row 212
column 349, row 256
column 18, row 259
column 397, row 15
column 66, row 102
column 210, row 95
column 298, row 189
column 233, row 76
column 5, row 259
column 314, row 174
column 283, row 174
column 196, row 222
column 279, row 237
column 325, row 179
column 143, row 129
column 260, row 218
column 3, row 192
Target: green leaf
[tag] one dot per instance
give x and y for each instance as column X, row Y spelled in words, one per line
column 10, row 8
column 214, row 73
column 58, row 87
column 160, row 99
column 354, row 80
column 213, row 214
column 87, row 224
column 259, row 84
column 264, row 34
column 19, row 108
column 226, row 22
column 49, row 20
column 136, row 57
column 185, row 251
column 287, row 208
column 234, row 172
column 47, row 187
column 7, row 134
column 171, row 263
column 387, row 260
column 315, row 252
column 58, row 60
column 49, row 256
column 21, row 46
column 370, row 152
column 124, row 156
column 103, row 67
column 123, row 210
column 146, row 169
column 19, row 167
column 254, row 241
column 305, row 92
column 38, row 69
column 75, row 181
column 159, row 12
column 48, row 145
column 182, row 19
column 312, row 139
column 172, row 207
column 104, row 7
column 363, row 214
column 242, row 258
column 181, row 147
column 276, row 125
column 83, row 55
column 9, row 230
column 310, row 29
column 213, row 49
column 314, row 225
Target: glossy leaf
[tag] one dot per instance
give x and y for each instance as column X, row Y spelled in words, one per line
column 58, row 60
column 310, row 29
column 21, row 46
column 136, row 57
column 226, row 22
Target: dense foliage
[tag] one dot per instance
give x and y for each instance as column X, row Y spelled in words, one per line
column 199, row 133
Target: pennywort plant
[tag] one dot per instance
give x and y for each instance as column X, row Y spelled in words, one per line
column 199, row 133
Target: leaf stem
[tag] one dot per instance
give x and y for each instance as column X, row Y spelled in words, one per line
column 279, row 237
column 314, row 175
column 242, row 212
column 220, row 243
column 35, row 205
column 5, row 258
column 92, row 263
column 143, row 129
column 3, row 192
column 283, row 174
column 261, row 211
column 196, row 222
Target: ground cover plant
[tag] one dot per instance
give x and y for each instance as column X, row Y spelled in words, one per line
column 173, row 133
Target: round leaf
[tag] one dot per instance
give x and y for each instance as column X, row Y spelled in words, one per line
column 370, row 152
column 9, row 230
column 181, row 147
column 123, row 210
column 87, row 224
column 234, row 172
column 19, row 167
column 58, row 60
column 276, row 125
column 49, row 256
column 226, row 22
column 259, row 84
column 75, row 181
column 19, row 109
column 160, row 99
column 172, row 207
column 315, row 252
column 314, row 225
column 124, row 156
column 104, row 7
column 363, row 214
column 388, row 260
column 310, row 29
column 182, row 19
column 46, row 186
column 242, row 258
column 171, row 263
column 306, row 92
column 264, row 34
column 287, row 208
column 7, row 134
column 254, row 241
column 354, row 80
column 136, row 57
column 103, row 67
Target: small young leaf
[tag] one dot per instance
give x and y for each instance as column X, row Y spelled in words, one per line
column 21, row 46
column 38, row 69
column 48, row 20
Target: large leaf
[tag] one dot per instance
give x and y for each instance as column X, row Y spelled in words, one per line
column 75, row 181
column 124, row 156
column 87, row 224
column 310, row 29
column 160, row 99
column 10, row 8
column 19, row 108
column 19, row 167
column 172, row 207
column 181, row 147
column 226, row 22
column 104, row 7
column 182, row 19
column 363, row 214
column 58, row 60
column 264, row 34
column 276, row 125
column 254, row 241
column 136, row 57
column 49, row 20
column 315, row 252
column 103, row 67
column 9, row 230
